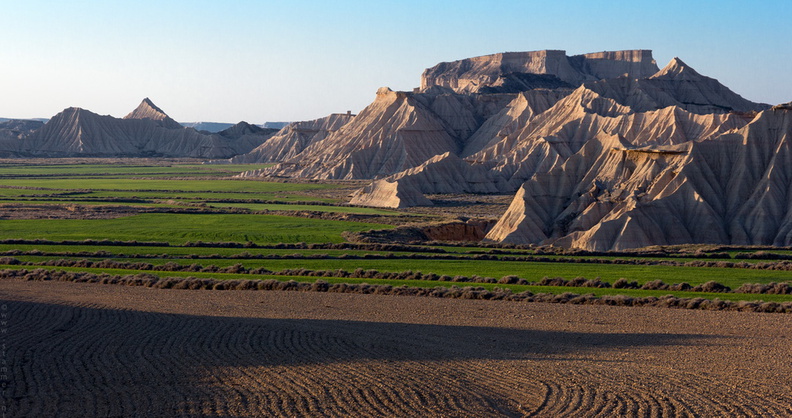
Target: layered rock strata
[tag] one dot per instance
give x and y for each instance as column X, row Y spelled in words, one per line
column 293, row 139
column 482, row 74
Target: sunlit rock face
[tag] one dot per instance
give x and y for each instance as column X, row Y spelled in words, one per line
column 610, row 152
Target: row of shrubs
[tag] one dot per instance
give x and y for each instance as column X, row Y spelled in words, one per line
column 249, row 244
column 708, row 287
column 453, row 292
column 493, row 249
column 417, row 255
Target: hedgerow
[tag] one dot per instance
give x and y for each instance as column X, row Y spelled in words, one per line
column 453, row 292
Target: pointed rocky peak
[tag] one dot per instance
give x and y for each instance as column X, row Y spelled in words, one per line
column 678, row 70
column 148, row 110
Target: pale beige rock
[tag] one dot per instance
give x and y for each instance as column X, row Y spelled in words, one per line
column 148, row 110
column 539, row 130
column 445, row 173
column 548, row 139
column 293, row 139
column 389, row 194
column 675, row 85
column 513, row 117
column 731, row 188
column 398, row 131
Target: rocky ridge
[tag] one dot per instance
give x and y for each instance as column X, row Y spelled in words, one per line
column 145, row 132
column 292, row 140
column 481, row 74
column 661, row 158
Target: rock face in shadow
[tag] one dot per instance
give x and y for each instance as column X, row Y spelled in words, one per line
column 12, row 131
column 293, row 139
column 519, row 71
column 145, row 132
column 243, row 129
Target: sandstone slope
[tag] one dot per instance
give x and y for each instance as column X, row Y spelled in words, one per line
column 398, row 131
column 293, row 139
column 445, row 173
column 730, row 189
column 540, row 129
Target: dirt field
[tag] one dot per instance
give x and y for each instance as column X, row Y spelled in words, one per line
column 101, row 350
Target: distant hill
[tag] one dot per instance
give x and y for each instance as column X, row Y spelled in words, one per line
column 147, row 131
column 274, row 125
column 212, row 127
column 215, row 127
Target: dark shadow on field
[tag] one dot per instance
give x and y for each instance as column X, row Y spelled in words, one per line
column 264, row 341
column 61, row 357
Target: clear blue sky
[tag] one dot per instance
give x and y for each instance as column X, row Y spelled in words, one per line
column 263, row 61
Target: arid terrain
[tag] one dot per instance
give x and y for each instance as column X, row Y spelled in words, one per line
column 102, row 350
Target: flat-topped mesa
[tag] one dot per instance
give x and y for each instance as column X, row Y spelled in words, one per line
column 471, row 75
column 148, row 110
column 637, row 63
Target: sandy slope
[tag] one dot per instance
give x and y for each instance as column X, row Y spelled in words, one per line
column 102, row 350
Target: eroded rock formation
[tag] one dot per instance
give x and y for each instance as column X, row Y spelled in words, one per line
column 400, row 130
column 145, row 132
column 293, row 139
column 520, row 69
column 731, row 189
column 667, row 157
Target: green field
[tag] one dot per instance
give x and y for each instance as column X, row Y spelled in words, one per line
column 126, row 170
column 180, row 189
column 531, row 271
column 181, row 228
column 432, row 284
column 197, row 185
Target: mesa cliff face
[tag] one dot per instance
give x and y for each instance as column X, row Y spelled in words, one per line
column 477, row 75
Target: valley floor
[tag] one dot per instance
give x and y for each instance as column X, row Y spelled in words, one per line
column 75, row 349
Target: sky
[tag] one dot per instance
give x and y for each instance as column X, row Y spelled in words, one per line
column 259, row 61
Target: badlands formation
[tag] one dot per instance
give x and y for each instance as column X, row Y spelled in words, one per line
column 602, row 151
column 145, row 132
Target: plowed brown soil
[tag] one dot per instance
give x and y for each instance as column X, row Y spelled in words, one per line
column 73, row 349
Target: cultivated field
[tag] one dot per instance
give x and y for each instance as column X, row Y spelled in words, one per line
column 340, row 342
column 100, row 350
